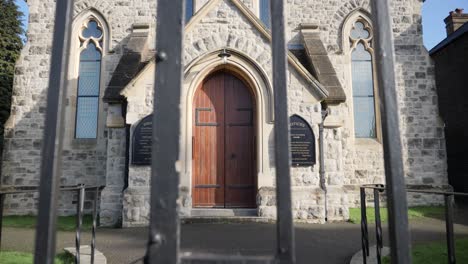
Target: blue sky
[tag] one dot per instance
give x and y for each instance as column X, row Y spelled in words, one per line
column 434, row 12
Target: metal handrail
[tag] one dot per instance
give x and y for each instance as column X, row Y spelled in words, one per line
column 380, row 188
column 163, row 241
column 79, row 216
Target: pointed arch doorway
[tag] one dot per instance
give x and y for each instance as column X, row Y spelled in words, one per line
column 223, row 143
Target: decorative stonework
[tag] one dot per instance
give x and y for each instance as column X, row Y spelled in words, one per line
column 348, row 162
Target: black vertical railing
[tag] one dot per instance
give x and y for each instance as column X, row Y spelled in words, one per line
column 394, row 174
column 377, row 190
column 378, row 226
column 2, row 202
column 93, row 232
column 448, row 199
column 364, row 227
column 80, row 190
column 285, row 231
column 79, row 221
column 50, row 170
column 163, row 242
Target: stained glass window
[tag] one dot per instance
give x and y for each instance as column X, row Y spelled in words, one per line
column 265, row 12
column 87, row 105
column 363, row 84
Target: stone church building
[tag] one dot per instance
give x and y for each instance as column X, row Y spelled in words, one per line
column 226, row 158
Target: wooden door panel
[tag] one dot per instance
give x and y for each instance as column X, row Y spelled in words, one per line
column 239, row 145
column 223, row 144
column 208, row 147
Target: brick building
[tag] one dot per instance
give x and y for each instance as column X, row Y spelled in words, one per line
column 450, row 57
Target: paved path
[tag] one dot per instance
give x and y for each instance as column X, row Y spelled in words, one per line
column 330, row 244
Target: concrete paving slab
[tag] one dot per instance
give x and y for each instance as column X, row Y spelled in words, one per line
column 85, row 255
column 358, row 258
column 334, row 243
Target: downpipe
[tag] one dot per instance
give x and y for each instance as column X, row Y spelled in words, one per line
column 323, row 184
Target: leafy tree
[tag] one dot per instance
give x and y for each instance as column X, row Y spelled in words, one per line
column 11, row 43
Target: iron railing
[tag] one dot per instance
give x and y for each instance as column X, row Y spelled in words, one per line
column 81, row 190
column 377, row 190
column 163, row 242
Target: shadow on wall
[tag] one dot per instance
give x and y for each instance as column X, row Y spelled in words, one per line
column 424, row 153
column 83, row 161
column 22, row 158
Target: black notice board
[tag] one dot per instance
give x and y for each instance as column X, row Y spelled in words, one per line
column 141, row 142
column 302, row 143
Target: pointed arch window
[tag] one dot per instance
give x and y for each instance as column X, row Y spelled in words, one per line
column 189, row 10
column 265, row 12
column 89, row 78
column 362, row 71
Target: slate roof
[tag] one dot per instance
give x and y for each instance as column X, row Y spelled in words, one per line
column 315, row 59
column 135, row 57
column 313, row 56
column 451, row 38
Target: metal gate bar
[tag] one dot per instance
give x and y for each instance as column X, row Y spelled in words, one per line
column 79, row 221
column 449, row 201
column 379, row 188
column 394, row 173
column 80, row 190
column 53, row 134
column 163, row 244
column 285, row 230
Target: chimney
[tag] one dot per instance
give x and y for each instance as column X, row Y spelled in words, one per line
column 455, row 20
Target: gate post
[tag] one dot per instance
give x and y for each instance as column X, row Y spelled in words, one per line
column 285, row 229
column 53, row 134
column 394, row 173
column 163, row 244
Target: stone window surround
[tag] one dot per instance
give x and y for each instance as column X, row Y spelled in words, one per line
column 258, row 81
column 80, row 21
column 198, row 4
column 349, row 45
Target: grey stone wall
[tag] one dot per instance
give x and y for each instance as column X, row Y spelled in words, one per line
column 348, row 162
column 111, row 196
column 84, row 161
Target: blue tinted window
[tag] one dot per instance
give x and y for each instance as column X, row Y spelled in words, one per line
column 87, row 106
column 363, row 93
column 92, row 30
column 188, row 10
column 87, row 117
column 359, row 32
column 265, row 12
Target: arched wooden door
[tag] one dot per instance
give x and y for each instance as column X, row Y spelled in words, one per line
column 223, row 144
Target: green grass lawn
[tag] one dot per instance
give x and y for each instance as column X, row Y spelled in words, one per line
column 413, row 213
column 10, row 257
column 436, row 253
column 65, row 223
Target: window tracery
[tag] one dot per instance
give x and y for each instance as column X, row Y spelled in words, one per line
column 89, row 78
column 362, row 72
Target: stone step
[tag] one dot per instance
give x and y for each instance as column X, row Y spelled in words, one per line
column 223, row 212
column 85, row 255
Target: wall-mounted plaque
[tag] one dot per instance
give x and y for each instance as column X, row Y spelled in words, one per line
column 141, row 144
column 302, row 143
